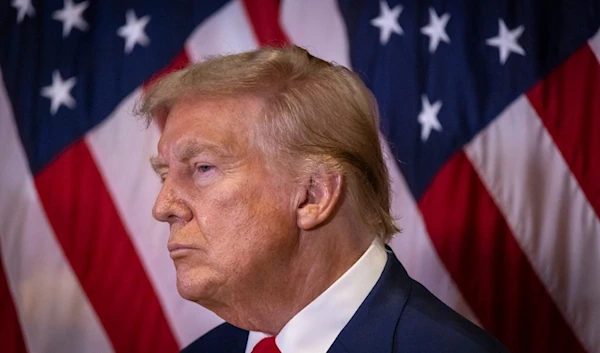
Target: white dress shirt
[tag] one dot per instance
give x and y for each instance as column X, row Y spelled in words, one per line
column 314, row 328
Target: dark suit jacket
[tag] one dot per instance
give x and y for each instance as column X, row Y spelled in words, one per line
column 398, row 315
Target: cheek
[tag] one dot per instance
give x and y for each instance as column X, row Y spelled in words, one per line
column 247, row 221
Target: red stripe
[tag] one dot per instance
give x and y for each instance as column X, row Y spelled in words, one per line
column 11, row 337
column 179, row 62
column 264, row 16
column 568, row 102
column 477, row 247
column 100, row 251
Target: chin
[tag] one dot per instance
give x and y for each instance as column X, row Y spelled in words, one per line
column 196, row 287
column 188, row 292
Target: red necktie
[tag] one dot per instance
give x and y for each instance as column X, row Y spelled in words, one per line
column 266, row 345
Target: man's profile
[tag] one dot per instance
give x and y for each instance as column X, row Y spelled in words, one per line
column 277, row 197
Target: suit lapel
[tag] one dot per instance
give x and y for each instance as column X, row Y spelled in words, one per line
column 224, row 338
column 236, row 343
column 373, row 326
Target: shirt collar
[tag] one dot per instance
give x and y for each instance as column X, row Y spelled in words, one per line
column 315, row 328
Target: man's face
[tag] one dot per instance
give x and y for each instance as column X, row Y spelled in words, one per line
column 232, row 220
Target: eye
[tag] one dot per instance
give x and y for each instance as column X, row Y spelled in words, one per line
column 204, row 168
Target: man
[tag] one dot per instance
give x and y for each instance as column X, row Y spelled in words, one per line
column 277, row 197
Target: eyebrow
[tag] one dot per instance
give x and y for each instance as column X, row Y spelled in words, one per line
column 188, row 150
column 157, row 164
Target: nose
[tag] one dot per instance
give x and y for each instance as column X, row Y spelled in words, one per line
column 169, row 207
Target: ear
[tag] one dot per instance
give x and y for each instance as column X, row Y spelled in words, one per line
column 323, row 193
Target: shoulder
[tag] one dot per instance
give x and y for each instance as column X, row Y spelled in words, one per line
column 224, row 338
column 400, row 315
column 429, row 325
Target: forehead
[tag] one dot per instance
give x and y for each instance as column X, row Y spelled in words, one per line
column 218, row 121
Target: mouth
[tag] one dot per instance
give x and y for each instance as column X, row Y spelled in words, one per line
column 177, row 250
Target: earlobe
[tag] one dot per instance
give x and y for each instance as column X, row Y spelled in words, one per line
column 322, row 197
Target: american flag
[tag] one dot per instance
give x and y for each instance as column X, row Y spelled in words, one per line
column 491, row 128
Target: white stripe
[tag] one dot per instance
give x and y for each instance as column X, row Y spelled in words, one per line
column 54, row 312
column 595, row 44
column 121, row 147
column 547, row 212
column 413, row 245
column 228, row 31
column 317, row 26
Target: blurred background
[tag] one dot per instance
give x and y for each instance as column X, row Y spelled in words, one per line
column 490, row 117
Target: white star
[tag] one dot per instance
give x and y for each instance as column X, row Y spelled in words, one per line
column 428, row 117
column 59, row 92
column 71, row 16
column 506, row 41
column 24, row 7
column 436, row 29
column 133, row 31
column 387, row 21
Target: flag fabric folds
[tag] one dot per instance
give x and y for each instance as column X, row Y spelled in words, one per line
column 490, row 122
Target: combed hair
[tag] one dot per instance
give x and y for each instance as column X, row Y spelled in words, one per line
column 314, row 110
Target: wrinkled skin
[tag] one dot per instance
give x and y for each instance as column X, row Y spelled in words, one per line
column 232, row 220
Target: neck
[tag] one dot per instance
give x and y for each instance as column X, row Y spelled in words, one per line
column 319, row 259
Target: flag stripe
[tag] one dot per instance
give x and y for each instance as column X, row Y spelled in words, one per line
column 47, row 296
column 414, row 247
column 101, row 254
column 568, row 103
column 536, row 187
column 305, row 22
column 595, row 45
column 216, row 35
column 10, row 328
column 264, row 16
column 117, row 145
column 494, row 275
column 179, row 62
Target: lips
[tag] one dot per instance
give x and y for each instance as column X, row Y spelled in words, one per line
column 177, row 246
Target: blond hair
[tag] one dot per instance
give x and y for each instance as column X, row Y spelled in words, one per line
column 315, row 110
